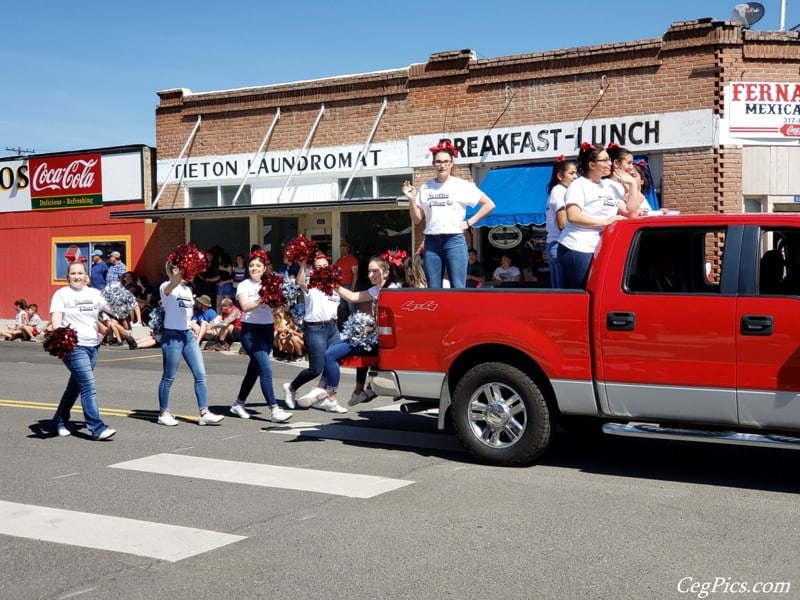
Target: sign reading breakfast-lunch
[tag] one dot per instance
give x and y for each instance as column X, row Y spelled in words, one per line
column 761, row 110
column 66, row 182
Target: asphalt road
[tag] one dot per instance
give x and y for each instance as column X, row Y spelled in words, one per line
column 369, row 504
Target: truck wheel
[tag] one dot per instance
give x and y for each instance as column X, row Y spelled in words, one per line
column 501, row 416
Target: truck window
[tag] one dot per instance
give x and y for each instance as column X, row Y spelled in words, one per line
column 779, row 264
column 676, row 261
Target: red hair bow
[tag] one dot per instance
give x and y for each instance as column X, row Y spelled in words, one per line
column 395, row 258
column 561, row 158
column 641, row 163
column 445, row 146
column 260, row 254
column 588, row 146
column 612, row 145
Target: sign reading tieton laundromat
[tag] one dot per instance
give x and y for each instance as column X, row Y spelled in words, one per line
column 340, row 160
column 763, row 110
column 639, row 133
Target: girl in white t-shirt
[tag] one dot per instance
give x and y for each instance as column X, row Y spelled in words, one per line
column 443, row 203
column 564, row 173
column 77, row 306
column 591, row 205
column 258, row 337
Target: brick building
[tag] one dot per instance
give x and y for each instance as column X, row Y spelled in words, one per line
column 328, row 157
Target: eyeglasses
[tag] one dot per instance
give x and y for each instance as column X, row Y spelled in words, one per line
column 442, row 162
column 605, row 160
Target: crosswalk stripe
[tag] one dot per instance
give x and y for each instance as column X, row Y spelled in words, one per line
column 370, row 435
column 307, row 480
column 118, row 534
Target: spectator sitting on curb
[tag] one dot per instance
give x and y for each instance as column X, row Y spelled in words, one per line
column 229, row 328
column 204, row 318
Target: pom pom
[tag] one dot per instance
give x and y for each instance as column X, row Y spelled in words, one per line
column 326, row 279
column 360, row 331
column 300, row 249
column 271, row 290
column 157, row 322
column 60, row 342
column 190, row 260
column 120, row 300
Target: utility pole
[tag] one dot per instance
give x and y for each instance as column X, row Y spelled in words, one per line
column 21, row 151
column 783, row 16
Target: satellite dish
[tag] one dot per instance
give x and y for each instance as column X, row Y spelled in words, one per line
column 747, row 14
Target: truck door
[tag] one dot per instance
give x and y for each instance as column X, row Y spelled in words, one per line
column 666, row 335
column 768, row 331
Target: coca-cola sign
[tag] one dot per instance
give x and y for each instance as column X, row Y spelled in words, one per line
column 66, row 181
column 790, row 130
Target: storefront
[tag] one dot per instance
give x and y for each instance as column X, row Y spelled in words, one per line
column 56, row 208
column 328, row 157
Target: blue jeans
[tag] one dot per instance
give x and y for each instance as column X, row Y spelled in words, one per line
column 317, row 339
column 174, row 344
column 257, row 341
column 574, row 267
column 332, row 374
column 445, row 251
column 80, row 363
column 556, row 277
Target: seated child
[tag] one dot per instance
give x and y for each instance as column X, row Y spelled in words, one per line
column 20, row 306
column 34, row 326
column 288, row 339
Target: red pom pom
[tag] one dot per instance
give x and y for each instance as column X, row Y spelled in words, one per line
column 271, row 290
column 326, row 279
column 190, row 260
column 300, row 249
column 60, row 342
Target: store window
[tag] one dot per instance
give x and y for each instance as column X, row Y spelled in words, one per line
column 380, row 186
column 232, row 235
column 372, row 233
column 208, row 197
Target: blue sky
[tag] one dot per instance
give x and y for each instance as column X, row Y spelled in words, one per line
column 85, row 75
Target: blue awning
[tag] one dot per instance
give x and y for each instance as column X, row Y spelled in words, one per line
column 519, row 194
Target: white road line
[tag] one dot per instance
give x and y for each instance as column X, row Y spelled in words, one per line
column 307, row 480
column 117, row 534
column 370, row 435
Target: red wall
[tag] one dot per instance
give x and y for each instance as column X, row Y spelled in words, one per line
column 26, row 267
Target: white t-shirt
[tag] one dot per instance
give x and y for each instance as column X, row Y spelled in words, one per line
column 509, row 274
column 258, row 316
column 445, row 204
column 619, row 192
column 178, row 306
column 555, row 202
column 320, row 306
column 80, row 309
column 596, row 200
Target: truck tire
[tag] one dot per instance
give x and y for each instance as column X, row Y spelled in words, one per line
column 501, row 416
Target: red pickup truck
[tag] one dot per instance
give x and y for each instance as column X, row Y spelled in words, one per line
column 689, row 328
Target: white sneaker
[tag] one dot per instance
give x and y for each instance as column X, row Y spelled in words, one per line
column 329, row 405
column 210, row 418
column 239, row 410
column 167, row 419
column 370, row 394
column 108, row 433
column 358, row 398
column 63, row 432
column 311, row 397
column 280, row 416
column 288, row 395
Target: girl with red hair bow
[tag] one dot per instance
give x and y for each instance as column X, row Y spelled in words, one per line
column 443, row 203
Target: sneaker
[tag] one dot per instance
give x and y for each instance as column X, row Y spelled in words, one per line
column 167, row 419
column 358, row 398
column 132, row 344
column 222, row 347
column 63, row 432
column 280, row 416
column 329, row 405
column 108, row 433
column 210, row 418
column 288, row 395
column 238, row 409
column 311, row 397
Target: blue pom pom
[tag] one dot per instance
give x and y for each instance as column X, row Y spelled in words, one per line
column 360, row 331
column 120, row 300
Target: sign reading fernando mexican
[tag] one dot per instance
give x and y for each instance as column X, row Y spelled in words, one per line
column 756, row 110
column 66, row 182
